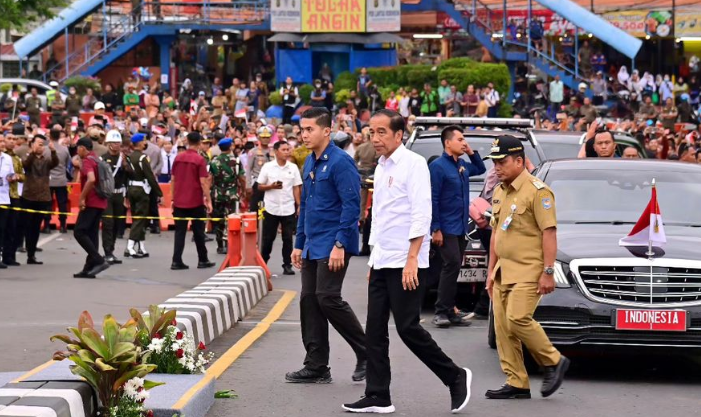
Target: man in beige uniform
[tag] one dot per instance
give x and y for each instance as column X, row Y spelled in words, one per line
column 521, row 267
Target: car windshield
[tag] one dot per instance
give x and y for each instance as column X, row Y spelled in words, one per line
column 620, row 196
column 431, row 148
column 561, row 150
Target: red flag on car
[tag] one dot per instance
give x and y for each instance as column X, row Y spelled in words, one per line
column 649, row 229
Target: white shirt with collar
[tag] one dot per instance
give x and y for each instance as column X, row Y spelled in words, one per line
column 6, row 169
column 164, row 158
column 280, row 202
column 401, row 209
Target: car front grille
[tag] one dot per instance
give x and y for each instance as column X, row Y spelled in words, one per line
column 640, row 282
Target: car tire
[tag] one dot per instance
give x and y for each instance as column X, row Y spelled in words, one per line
column 491, row 333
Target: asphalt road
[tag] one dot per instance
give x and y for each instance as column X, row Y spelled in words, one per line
column 38, row 301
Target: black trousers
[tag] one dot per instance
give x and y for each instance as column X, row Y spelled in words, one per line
column 256, row 199
column 452, row 255
column 320, row 304
column 270, row 226
column 153, row 210
column 61, row 195
column 4, row 215
column 32, row 223
column 12, row 230
column 115, row 207
column 197, row 230
column 287, row 113
column 385, row 294
column 87, row 233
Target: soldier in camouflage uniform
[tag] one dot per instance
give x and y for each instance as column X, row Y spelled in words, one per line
column 228, row 179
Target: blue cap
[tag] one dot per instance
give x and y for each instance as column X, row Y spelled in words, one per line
column 138, row 137
column 685, row 97
column 225, row 142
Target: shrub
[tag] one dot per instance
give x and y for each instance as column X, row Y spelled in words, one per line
column 346, row 81
column 382, row 77
column 458, row 63
column 305, row 93
column 419, row 76
column 480, row 75
column 81, row 84
column 505, row 110
column 341, row 96
column 275, row 98
column 4, row 88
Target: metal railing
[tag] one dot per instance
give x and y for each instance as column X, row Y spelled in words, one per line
column 130, row 20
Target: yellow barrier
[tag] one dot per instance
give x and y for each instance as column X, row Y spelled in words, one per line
column 214, row 219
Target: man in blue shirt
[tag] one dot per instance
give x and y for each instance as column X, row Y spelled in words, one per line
column 450, row 195
column 327, row 236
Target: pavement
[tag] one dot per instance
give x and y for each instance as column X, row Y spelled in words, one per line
column 40, row 301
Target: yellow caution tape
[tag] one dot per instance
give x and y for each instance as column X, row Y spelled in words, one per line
column 111, row 216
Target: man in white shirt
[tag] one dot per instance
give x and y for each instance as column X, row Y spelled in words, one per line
column 400, row 239
column 168, row 154
column 492, row 99
column 7, row 175
column 557, row 90
column 282, row 184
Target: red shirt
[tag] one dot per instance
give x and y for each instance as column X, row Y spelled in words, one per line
column 188, row 168
column 92, row 200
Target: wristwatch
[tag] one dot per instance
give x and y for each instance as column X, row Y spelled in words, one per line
column 549, row 270
column 338, row 244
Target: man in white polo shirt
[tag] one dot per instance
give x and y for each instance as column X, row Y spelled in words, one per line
column 282, row 184
column 400, row 237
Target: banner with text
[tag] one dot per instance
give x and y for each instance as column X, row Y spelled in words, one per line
column 687, row 24
column 384, row 16
column 285, row 16
column 640, row 23
column 333, row 16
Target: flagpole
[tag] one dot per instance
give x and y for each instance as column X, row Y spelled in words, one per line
column 650, row 253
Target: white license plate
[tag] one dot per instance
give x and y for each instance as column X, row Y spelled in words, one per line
column 473, row 275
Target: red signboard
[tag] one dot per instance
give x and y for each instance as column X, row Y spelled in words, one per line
column 656, row 320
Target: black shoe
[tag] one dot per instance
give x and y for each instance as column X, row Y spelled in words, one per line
column 136, row 255
column 553, row 377
column 307, row 376
column 142, row 254
column 33, row 261
column 12, row 263
column 156, row 230
column 208, row 239
column 83, row 274
column 460, row 391
column 460, row 320
column 287, row 270
column 178, row 266
column 22, row 250
column 221, row 250
column 205, row 265
column 46, row 231
column 441, row 320
column 360, row 370
column 63, row 230
column 507, row 392
column 3, row 266
column 38, row 250
column 98, row 268
column 112, row 260
column 370, row 405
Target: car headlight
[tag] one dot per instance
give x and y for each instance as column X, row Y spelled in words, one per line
column 561, row 280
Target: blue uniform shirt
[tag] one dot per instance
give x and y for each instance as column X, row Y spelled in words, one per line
column 330, row 205
column 450, row 192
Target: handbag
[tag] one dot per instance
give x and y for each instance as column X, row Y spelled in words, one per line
column 478, row 206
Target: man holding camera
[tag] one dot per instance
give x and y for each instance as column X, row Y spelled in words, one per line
column 282, row 184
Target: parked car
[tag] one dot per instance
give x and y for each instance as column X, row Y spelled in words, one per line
column 609, row 295
column 562, row 145
column 426, row 141
column 26, row 86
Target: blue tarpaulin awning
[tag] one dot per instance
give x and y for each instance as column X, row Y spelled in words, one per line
column 33, row 42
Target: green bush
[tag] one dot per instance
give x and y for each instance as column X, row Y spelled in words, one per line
column 81, row 84
column 419, row 76
column 341, row 96
column 4, row 88
column 479, row 76
column 382, row 76
column 505, row 110
column 305, row 93
column 458, row 63
column 275, row 98
column 346, row 81
column 402, row 72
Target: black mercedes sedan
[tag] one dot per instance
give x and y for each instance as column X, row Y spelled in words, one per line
column 609, row 295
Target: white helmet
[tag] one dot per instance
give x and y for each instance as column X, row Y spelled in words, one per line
column 583, row 86
column 113, row 136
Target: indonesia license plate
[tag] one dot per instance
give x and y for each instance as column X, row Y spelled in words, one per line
column 473, row 275
column 656, row 320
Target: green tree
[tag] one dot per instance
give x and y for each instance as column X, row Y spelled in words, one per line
column 16, row 14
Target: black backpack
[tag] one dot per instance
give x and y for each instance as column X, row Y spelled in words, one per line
column 105, row 181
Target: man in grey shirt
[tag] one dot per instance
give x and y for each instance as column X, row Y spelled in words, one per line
column 58, row 179
column 153, row 152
